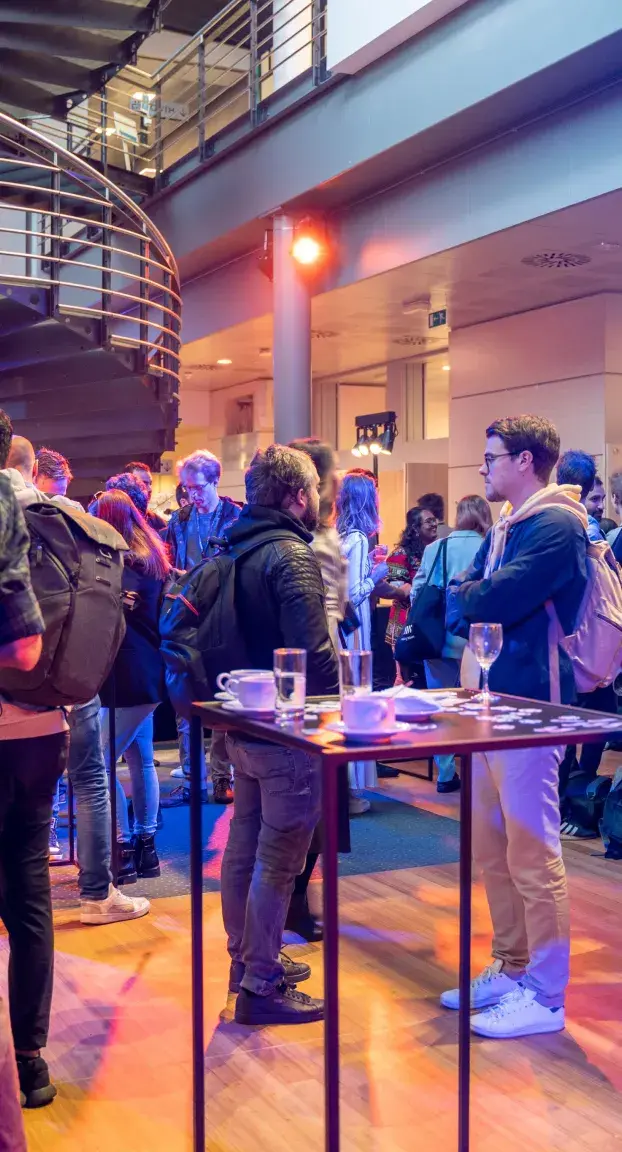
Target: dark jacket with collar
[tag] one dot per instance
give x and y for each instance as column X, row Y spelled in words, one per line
column 183, row 526
column 280, row 599
column 138, row 673
column 544, row 559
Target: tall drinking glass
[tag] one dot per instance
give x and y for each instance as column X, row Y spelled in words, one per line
column 486, row 642
column 355, row 672
column 290, row 674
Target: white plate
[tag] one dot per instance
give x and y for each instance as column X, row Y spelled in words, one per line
column 359, row 736
column 238, row 709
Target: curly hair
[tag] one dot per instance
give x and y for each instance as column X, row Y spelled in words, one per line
column 410, row 540
column 129, row 483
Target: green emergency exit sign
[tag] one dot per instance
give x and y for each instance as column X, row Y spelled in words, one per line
column 437, row 319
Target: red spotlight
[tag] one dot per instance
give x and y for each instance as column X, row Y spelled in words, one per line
column 309, row 247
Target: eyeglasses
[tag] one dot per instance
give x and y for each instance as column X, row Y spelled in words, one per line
column 490, row 457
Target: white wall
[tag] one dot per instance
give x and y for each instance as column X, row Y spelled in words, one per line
column 551, row 362
column 360, row 31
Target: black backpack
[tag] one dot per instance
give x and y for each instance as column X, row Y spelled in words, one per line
column 611, row 823
column 76, row 568
column 199, row 628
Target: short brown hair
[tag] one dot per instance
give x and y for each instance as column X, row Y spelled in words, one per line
column 53, row 465
column 530, row 434
column 473, row 515
column 276, row 473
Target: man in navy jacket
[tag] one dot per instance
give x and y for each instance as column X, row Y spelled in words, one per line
column 535, row 553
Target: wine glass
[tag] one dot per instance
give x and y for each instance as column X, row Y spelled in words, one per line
column 486, row 642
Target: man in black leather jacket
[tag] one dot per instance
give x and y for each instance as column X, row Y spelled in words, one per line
column 279, row 604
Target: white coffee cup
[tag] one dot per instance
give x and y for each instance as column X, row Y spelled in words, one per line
column 367, row 712
column 228, row 681
column 257, row 691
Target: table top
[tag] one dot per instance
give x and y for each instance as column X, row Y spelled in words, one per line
column 462, row 727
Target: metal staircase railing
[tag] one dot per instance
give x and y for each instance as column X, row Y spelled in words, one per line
column 66, row 228
column 240, row 66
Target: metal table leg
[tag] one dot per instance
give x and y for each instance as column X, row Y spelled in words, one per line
column 464, row 982
column 71, row 818
column 331, row 958
column 196, row 915
column 112, row 778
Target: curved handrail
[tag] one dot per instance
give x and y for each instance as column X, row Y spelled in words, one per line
column 73, row 161
column 135, row 295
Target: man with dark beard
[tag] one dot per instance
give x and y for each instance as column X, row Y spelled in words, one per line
column 279, row 603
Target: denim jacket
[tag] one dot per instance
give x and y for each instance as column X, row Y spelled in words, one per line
column 462, row 547
column 183, row 537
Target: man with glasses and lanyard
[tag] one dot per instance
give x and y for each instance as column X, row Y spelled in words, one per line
column 191, row 536
column 534, row 556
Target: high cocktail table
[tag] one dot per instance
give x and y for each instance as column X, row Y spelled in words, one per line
column 511, row 723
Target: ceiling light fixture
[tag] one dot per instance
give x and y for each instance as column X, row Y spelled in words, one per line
column 446, row 368
column 370, row 440
column 309, row 247
column 224, row 362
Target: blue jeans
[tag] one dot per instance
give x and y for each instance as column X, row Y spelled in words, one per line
column 135, row 739
column 276, row 808
column 87, row 773
column 443, row 674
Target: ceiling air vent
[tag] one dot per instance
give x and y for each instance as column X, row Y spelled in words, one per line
column 556, row 260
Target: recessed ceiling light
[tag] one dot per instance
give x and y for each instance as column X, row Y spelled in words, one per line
column 224, row 361
column 446, row 368
column 608, row 245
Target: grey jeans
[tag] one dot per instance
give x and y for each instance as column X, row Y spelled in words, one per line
column 220, row 767
column 276, row 808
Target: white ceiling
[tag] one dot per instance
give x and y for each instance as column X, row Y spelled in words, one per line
column 363, row 325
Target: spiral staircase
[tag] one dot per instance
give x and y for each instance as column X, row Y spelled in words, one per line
column 90, row 312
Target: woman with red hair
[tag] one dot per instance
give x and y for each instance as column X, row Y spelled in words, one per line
column 136, row 684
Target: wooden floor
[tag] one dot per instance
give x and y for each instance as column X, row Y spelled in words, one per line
column 120, row 1044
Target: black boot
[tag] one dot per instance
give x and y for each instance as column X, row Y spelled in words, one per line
column 146, row 857
column 35, row 1090
column 125, row 863
column 301, row 920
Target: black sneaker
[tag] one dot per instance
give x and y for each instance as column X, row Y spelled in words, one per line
column 452, row 785
column 181, row 795
column 284, row 1006
column 570, row 830
column 294, row 973
column 35, row 1090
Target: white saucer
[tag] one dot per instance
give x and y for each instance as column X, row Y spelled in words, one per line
column 223, row 696
column 366, row 736
column 238, row 709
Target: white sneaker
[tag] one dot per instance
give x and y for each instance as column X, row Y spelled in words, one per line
column 518, row 1014
column 178, row 773
column 116, row 906
column 486, row 989
column 358, row 805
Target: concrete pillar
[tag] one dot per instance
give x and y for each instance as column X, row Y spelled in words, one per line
column 291, row 344
column 563, row 362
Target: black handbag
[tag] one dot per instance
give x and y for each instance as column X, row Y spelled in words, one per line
column 423, row 637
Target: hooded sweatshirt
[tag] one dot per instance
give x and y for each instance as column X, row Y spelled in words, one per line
column 535, row 553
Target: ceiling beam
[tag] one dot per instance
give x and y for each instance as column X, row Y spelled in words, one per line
column 105, row 14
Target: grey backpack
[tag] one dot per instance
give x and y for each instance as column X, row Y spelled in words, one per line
column 76, row 567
